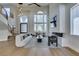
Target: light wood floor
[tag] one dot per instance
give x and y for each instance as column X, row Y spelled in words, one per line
column 8, row 48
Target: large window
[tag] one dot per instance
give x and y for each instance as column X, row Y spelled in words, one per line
column 75, row 20
column 6, row 11
column 40, row 22
column 23, row 24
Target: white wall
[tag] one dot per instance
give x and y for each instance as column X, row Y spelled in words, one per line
column 71, row 41
column 4, row 35
column 3, row 29
column 61, row 18
column 53, row 11
column 3, row 19
column 68, row 40
column 59, row 10
column 30, row 13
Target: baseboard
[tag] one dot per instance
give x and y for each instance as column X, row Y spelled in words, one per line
column 72, row 51
column 3, row 40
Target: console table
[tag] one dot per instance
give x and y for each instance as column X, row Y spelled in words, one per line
column 52, row 39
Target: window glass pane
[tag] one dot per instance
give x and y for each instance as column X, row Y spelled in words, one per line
column 23, row 19
column 3, row 12
column 77, row 11
column 39, row 27
column 45, row 18
column 45, row 27
column 74, row 20
column 76, row 26
column 6, row 10
column 39, row 18
column 23, row 27
column 34, row 18
column 40, row 21
column 35, row 27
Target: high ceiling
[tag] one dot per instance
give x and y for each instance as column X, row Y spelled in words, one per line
column 24, row 4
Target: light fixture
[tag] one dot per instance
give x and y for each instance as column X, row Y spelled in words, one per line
column 20, row 8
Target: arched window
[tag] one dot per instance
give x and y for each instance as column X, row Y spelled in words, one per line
column 40, row 22
column 39, row 12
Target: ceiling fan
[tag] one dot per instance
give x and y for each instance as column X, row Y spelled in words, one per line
column 31, row 4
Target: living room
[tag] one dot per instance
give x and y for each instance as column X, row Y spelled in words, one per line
column 38, row 26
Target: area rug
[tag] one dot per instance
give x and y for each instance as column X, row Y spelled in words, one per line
column 44, row 44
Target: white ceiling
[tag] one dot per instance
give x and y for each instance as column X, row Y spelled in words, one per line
column 24, row 4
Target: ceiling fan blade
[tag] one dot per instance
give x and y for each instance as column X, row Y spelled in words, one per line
column 37, row 4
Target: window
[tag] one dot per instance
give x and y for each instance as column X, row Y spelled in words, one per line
column 40, row 22
column 6, row 11
column 23, row 24
column 75, row 20
column 23, row 19
column 23, row 27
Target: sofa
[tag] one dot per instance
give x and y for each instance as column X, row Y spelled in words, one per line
column 20, row 41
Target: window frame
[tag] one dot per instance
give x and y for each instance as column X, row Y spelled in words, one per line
column 20, row 27
column 24, row 23
column 72, row 18
column 40, row 22
column 5, row 12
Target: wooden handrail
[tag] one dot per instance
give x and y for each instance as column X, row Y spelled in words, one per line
column 11, row 30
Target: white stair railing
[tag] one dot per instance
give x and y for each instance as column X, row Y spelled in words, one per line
column 5, row 19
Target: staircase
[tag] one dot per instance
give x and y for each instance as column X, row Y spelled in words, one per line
column 6, row 28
